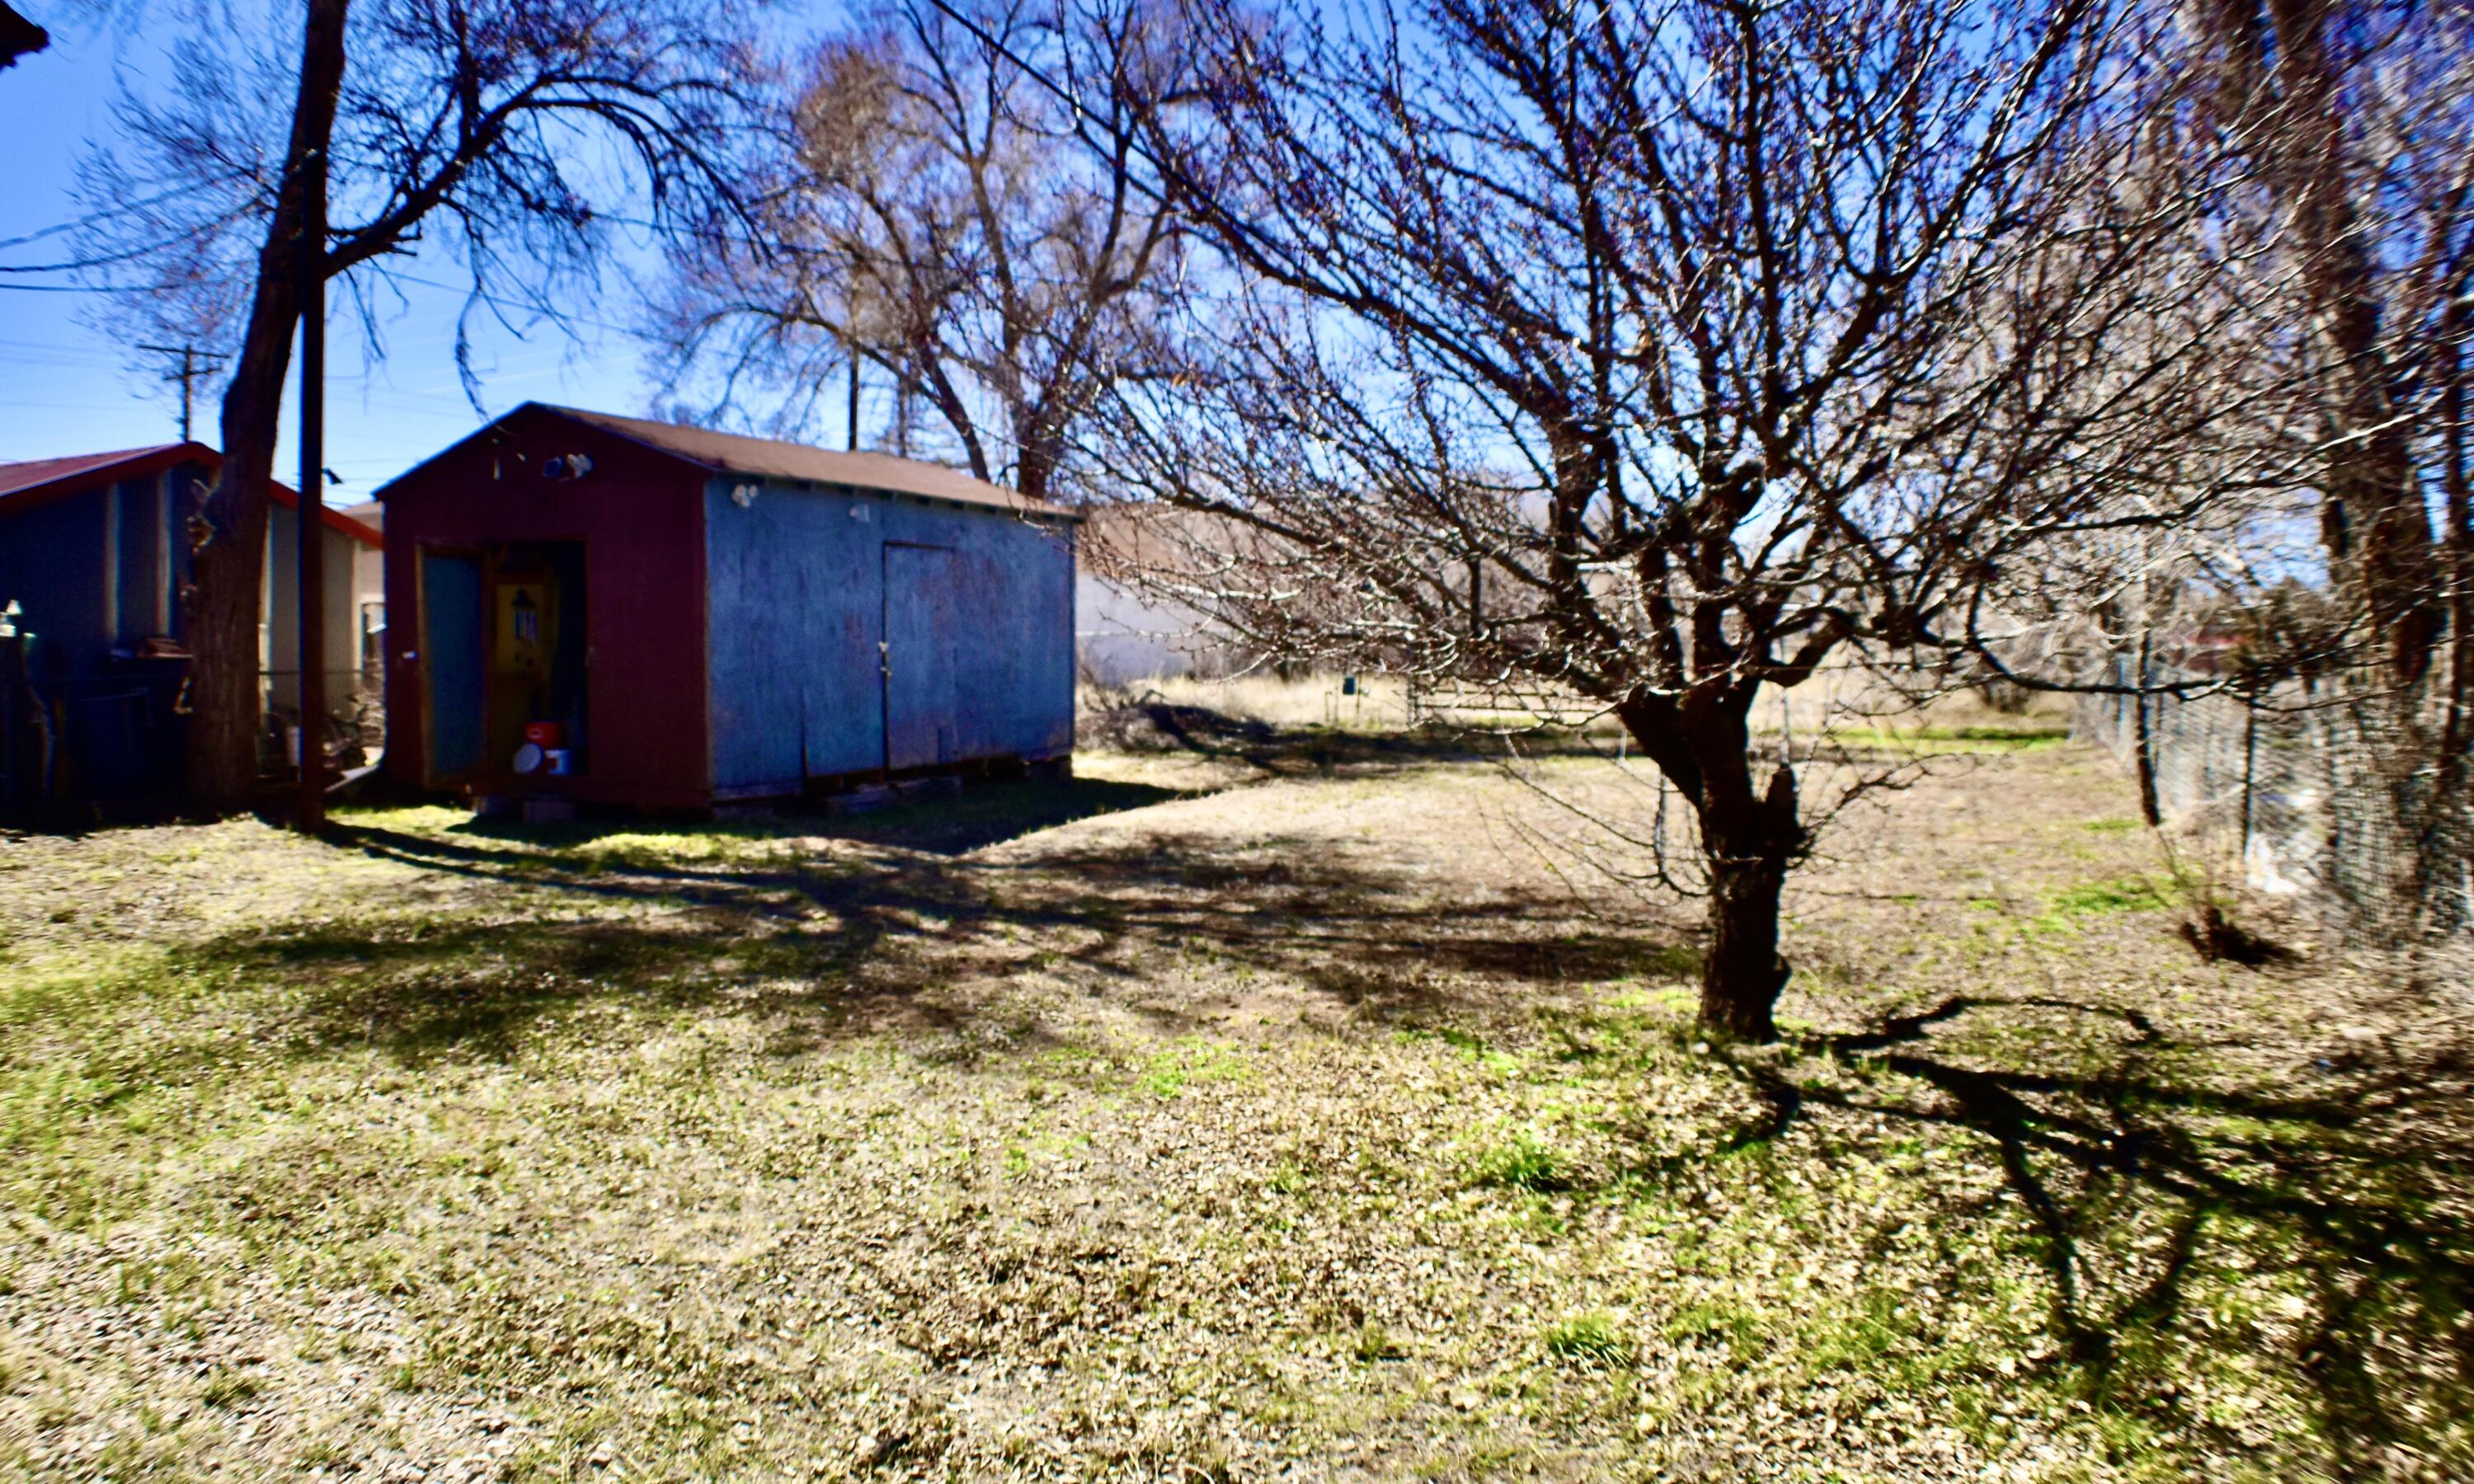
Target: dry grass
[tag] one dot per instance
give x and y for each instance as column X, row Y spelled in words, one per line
column 1839, row 703
column 1253, row 1121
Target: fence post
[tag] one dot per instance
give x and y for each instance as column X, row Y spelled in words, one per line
column 2150, row 809
column 2250, row 763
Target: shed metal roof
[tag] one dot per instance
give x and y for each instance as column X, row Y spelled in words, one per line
column 768, row 458
column 31, row 481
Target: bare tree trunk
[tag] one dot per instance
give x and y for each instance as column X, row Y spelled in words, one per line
column 1749, row 844
column 2143, row 762
column 2373, row 520
column 2460, row 498
column 1743, row 973
column 2151, row 810
column 1750, row 839
column 1034, row 466
column 222, row 606
column 2143, row 729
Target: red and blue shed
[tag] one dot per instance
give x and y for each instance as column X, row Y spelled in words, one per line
column 618, row 610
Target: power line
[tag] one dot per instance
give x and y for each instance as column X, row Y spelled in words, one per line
column 122, row 209
column 82, row 288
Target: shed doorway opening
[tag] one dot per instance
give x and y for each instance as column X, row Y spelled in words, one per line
column 921, row 610
column 506, row 652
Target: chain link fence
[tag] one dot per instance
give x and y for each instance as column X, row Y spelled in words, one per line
column 2326, row 797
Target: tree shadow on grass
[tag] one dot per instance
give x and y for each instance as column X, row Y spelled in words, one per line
column 847, row 943
column 943, row 824
column 1160, row 726
column 2131, row 1164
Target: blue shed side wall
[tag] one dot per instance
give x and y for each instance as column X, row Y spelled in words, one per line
column 795, row 602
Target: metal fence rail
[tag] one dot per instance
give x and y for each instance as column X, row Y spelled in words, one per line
column 1504, row 707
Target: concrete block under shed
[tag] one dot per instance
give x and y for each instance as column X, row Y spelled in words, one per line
column 859, row 801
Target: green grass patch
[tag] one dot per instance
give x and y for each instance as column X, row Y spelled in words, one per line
column 1520, row 1162
column 1592, row 1339
column 1934, row 741
column 2153, row 893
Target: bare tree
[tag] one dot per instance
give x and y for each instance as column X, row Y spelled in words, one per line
column 1669, row 354
column 936, row 218
column 505, row 132
column 2360, row 122
column 2344, row 225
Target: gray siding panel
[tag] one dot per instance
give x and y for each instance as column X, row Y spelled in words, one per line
column 798, row 609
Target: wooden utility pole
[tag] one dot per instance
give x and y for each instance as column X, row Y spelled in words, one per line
column 310, row 816
column 188, row 376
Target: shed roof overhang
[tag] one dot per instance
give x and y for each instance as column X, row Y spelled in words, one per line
column 763, row 458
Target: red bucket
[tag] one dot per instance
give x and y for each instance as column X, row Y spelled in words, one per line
column 545, row 734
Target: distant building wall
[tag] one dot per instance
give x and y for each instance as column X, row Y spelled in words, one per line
column 279, row 617
column 368, row 612
column 1121, row 638
column 97, row 556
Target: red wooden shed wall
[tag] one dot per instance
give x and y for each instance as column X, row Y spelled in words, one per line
column 641, row 515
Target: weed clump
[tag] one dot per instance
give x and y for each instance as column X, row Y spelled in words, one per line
column 1374, row 1343
column 1521, row 1163
column 1592, row 1339
column 2217, row 939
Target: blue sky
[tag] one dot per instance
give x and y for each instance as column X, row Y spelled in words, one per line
column 67, row 388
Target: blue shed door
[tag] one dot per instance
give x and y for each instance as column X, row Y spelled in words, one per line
column 920, row 609
column 450, row 657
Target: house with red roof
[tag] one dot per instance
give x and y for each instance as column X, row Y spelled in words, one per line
column 95, row 553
